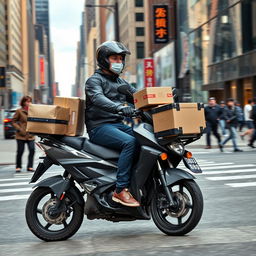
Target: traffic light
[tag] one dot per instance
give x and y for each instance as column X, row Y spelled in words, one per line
column 2, row 77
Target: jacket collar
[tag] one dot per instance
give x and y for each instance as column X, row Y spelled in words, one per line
column 109, row 77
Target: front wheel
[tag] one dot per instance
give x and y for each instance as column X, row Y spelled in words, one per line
column 53, row 227
column 182, row 218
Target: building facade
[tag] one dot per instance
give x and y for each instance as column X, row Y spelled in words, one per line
column 42, row 18
column 221, row 48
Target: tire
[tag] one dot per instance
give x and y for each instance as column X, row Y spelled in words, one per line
column 35, row 216
column 190, row 208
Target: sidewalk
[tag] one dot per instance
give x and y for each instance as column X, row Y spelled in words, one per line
column 8, row 147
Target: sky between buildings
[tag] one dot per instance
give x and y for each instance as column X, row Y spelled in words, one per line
column 65, row 20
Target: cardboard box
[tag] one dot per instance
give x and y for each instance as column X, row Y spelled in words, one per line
column 76, row 106
column 152, row 96
column 178, row 119
column 48, row 119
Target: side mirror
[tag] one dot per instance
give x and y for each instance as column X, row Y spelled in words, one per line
column 124, row 89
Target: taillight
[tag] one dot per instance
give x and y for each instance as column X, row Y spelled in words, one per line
column 7, row 120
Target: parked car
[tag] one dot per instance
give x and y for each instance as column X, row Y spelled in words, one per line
column 9, row 130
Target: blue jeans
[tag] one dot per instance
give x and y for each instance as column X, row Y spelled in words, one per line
column 120, row 137
column 222, row 124
column 232, row 136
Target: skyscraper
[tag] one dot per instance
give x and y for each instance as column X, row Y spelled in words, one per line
column 42, row 18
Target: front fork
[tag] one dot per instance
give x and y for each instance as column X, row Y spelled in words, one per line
column 168, row 191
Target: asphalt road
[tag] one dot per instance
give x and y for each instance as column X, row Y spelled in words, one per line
column 228, row 225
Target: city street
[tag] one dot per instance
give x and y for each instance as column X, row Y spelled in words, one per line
column 227, row 227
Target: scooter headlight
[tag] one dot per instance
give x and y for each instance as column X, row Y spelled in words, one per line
column 177, row 147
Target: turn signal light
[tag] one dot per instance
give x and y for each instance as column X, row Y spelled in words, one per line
column 164, row 156
column 188, row 155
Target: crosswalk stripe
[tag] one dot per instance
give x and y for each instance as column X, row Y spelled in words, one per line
column 14, row 197
column 13, row 179
column 238, row 177
column 241, row 185
column 230, row 166
column 228, row 171
column 14, row 184
column 10, row 190
column 218, row 164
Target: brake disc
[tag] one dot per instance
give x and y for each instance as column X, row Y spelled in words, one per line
column 45, row 212
column 182, row 210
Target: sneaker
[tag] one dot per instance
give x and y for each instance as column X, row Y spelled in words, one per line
column 221, row 147
column 30, row 170
column 125, row 198
column 18, row 170
column 208, row 147
column 238, row 150
column 251, row 145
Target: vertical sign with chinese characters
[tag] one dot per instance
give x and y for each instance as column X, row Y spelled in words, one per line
column 149, row 74
column 161, row 33
column 41, row 69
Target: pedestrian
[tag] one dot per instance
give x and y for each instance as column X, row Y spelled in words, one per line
column 222, row 121
column 240, row 117
column 253, row 117
column 104, row 124
column 231, row 116
column 212, row 116
column 19, row 122
column 248, row 120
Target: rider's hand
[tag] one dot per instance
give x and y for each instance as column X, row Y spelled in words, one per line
column 127, row 111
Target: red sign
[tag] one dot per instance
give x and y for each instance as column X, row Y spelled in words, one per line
column 149, row 73
column 41, row 68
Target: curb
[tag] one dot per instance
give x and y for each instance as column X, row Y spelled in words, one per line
column 1, row 164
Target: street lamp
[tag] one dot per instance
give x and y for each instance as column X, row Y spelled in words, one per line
column 112, row 8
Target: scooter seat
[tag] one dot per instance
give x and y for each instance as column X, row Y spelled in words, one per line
column 100, row 151
column 74, row 142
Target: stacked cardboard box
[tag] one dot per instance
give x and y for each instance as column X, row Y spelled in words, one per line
column 65, row 117
column 178, row 119
column 169, row 118
column 47, row 119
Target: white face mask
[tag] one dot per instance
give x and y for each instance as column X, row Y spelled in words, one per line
column 116, row 68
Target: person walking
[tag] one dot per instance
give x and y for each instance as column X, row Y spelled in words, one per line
column 222, row 121
column 248, row 120
column 253, row 118
column 240, row 117
column 212, row 115
column 231, row 116
column 19, row 122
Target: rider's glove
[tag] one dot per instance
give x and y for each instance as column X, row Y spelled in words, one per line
column 127, row 111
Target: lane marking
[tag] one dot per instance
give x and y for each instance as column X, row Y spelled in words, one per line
column 229, row 166
column 205, row 165
column 14, row 197
column 238, row 177
column 14, row 184
column 10, row 190
column 242, row 185
column 13, row 179
column 228, row 171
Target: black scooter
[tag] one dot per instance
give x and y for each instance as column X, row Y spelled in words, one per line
column 55, row 209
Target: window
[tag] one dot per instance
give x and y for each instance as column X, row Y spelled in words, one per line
column 138, row 3
column 139, row 16
column 140, row 31
column 140, row 50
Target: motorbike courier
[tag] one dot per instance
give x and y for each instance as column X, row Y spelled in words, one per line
column 167, row 194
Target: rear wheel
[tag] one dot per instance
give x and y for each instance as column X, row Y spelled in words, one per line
column 47, row 226
column 185, row 216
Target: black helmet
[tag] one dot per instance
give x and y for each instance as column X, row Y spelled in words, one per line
column 110, row 48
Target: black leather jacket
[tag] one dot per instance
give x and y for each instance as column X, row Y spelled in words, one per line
column 103, row 100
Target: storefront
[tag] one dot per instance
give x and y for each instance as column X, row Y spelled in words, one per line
column 222, row 48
